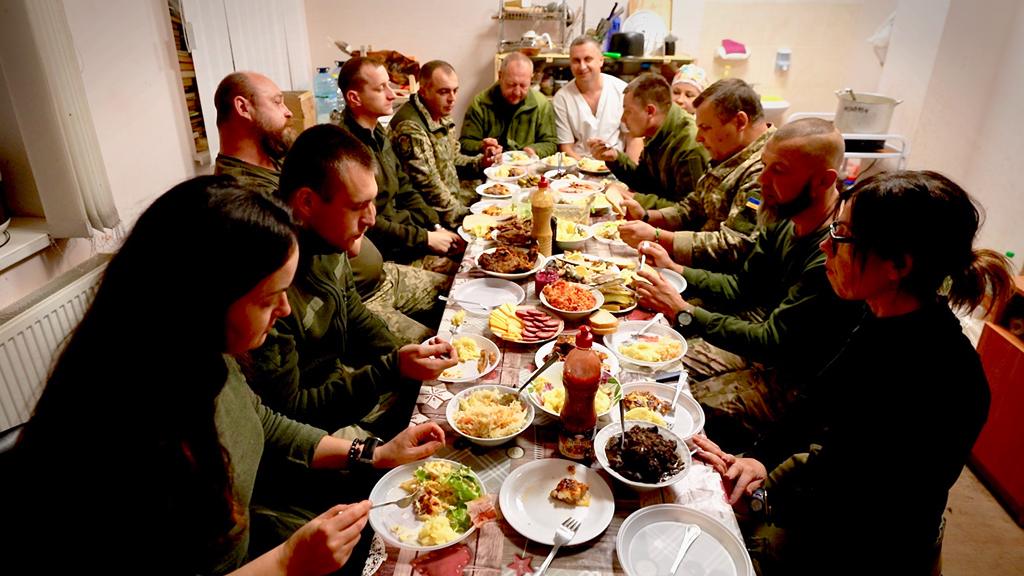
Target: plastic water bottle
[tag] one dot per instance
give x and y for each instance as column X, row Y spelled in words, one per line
column 326, row 93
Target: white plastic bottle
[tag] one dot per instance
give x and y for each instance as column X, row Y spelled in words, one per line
column 325, row 92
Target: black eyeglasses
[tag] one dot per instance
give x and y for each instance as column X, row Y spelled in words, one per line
column 837, row 238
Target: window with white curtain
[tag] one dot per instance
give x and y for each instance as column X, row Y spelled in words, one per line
column 48, row 102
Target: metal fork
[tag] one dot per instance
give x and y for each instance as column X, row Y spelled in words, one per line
column 563, row 535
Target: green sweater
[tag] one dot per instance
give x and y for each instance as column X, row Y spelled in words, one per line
column 530, row 124
column 403, row 217
column 248, row 431
column 308, row 368
column 785, row 276
column 671, row 165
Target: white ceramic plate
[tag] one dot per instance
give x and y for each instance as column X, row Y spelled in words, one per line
column 553, row 375
column 578, row 188
column 595, row 228
column 688, row 416
column 567, row 161
column 551, row 175
column 467, row 371
column 649, row 539
column 479, row 207
column 452, row 409
column 526, row 503
column 517, row 276
column 674, row 278
column 628, row 328
column 508, row 183
column 470, row 238
column 615, row 429
column 491, row 292
column 610, row 362
column 518, row 158
column 586, row 166
column 385, row 518
column 557, row 331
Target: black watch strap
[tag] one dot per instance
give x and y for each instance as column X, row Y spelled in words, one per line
column 646, row 216
column 684, row 318
column 365, row 458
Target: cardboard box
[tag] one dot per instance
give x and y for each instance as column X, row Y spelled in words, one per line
column 303, row 108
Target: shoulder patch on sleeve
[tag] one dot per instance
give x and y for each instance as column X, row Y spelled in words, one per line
column 405, row 145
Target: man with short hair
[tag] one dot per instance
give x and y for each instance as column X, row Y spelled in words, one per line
column 252, row 121
column 423, row 136
column 511, row 112
column 672, row 161
column 329, row 362
column 406, row 228
column 591, row 105
column 779, row 310
column 716, row 226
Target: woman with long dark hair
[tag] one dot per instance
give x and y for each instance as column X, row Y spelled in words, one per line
column 860, row 477
column 142, row 452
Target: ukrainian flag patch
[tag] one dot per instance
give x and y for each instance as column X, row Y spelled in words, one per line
column 753, row 202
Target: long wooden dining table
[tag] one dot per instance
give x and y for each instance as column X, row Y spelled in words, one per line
column 496, row 548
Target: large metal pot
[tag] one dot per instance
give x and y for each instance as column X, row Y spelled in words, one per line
column 864, row 113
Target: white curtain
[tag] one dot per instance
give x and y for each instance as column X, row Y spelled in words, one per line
column 49, row 100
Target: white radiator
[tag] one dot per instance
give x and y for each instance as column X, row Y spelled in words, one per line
column 29, row 342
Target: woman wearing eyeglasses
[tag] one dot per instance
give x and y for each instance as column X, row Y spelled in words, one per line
column 861, row 473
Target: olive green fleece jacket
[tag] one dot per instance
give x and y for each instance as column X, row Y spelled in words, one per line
column 250, row 432
column 403, row 217
column 531, row 124
column 784, row 275
column 328, row 362
column 670, row 166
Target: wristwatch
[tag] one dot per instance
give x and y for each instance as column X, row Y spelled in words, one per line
column 684, row 318
column 365, row 457
column 646, row 216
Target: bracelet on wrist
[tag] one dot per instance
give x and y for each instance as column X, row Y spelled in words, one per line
column 354, row 451
column 657, row 235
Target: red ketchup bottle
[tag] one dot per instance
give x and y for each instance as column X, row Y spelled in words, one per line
column 581, row 377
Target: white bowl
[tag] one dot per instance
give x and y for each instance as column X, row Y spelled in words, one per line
column 453, row 408
column 674, row 278
column 574, row 244
column 628, row 328
column 579, row 314
column 687, row 419
column 468, row 369
column 518, row 158
column 615, row 428
column 579, row 188
column 570, row 174
column 567, row 161
column 611, row 362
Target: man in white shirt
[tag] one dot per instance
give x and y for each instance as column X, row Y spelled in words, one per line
column 591, row 105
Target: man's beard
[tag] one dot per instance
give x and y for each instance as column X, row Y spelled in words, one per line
column 275, row 143
column 769, row 213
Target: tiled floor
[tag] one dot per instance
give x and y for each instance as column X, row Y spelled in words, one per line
column 981, row 537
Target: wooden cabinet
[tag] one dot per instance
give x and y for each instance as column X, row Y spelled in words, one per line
column 997, row 455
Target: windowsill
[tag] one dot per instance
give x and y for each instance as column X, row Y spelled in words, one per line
column 28, row 237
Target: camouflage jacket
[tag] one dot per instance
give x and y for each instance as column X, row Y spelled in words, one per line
column 308, row 368
column 430, row 153
column 717, row 224
column 671, row 165
column 403, row 218
column 531, row 124
column 256, row 177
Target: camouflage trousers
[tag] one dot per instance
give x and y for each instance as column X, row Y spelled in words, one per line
column 406, row 290
column 740, row 399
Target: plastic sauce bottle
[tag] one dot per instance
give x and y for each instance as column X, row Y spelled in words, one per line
column 542, row 203
column 581, row 377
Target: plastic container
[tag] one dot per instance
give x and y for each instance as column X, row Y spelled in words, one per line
column 325, row 90
column 581, row 377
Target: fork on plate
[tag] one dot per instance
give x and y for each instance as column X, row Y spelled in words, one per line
column 563, row 535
